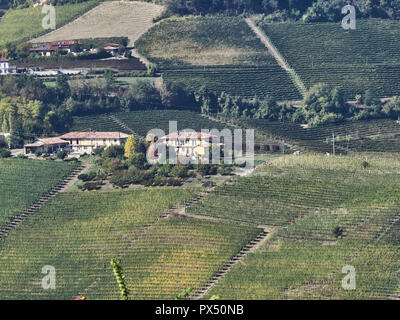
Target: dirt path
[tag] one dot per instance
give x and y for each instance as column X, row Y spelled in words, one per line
column 278, row 57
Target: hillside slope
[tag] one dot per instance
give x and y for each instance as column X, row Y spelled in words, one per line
column 109, row 19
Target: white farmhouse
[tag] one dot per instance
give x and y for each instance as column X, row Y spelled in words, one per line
column 5, row 67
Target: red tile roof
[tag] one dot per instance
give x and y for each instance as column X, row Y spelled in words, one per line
column 188, row 135
column 47, row 142
column 4, row 60
column 94, row 135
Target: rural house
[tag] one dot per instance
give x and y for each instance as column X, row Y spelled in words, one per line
column 82, row 142
column 188, row 143
column 111, row 48
column 48, row 145
column 48, row 49
column 5, row 67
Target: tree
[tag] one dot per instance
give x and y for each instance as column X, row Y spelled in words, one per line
column 130, row 146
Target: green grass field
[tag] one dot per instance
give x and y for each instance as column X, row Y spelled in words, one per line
column 304, row 198
column 78, row 234
column 24, row 24
column 143, row 121
column 221, row 53
column 354, row 60
column 22, row 182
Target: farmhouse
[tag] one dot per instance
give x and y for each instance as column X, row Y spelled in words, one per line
column 5, row 67
column 82, row 142
column 47, row 145
column 111, row 48
column 48, row 49
column 189, row 143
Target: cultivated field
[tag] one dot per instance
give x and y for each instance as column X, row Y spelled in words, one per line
column 109, row 19
column 143, row 121
column 380, row 135
column 78, row 234
column 222, row 53
column 23, row 24
column 354, row 60
column 22, row 182
column 305, row 198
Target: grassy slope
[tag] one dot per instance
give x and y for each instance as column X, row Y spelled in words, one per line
column 22, row 182
column 354, row 60
column 24, row 24
column 306, row 197
column 78, row 234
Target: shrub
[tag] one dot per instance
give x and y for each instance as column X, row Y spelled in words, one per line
column 180, row 171
column 5, row 153
column 62, row 154
column 89, row 186
column 138, row 160
column 115, row 151
column 338, row 232
column 87, row 176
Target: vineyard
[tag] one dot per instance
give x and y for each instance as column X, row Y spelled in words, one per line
column 91, row 228
column 63, row 63
column 237, row 81
column 22, row 182
column 24, row 24
column 380, row 135
column 354, row 60
column 306, row 198
column 109, row 19
column 143, row 121
column 220, row 52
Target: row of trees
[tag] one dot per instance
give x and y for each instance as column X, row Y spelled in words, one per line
column 308, row 10
column 322, row 104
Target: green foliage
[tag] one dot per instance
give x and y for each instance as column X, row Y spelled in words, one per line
column 4, row 153
column 114, row 151
column 119, row 275
column 184, row 294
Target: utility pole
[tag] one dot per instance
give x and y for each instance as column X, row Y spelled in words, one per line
column 184, row 201
column 333, row 143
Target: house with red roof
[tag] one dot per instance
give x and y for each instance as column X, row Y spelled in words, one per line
column 87, row 142
column 49, row 48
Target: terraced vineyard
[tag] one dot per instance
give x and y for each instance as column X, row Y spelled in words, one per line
column 143, row 121
column 240, row 81
column 354, row 60
column 221, row 52
column 22, row 182
column 380, row 135
column 160, row 258
column 23, row 24
column 305, row 198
